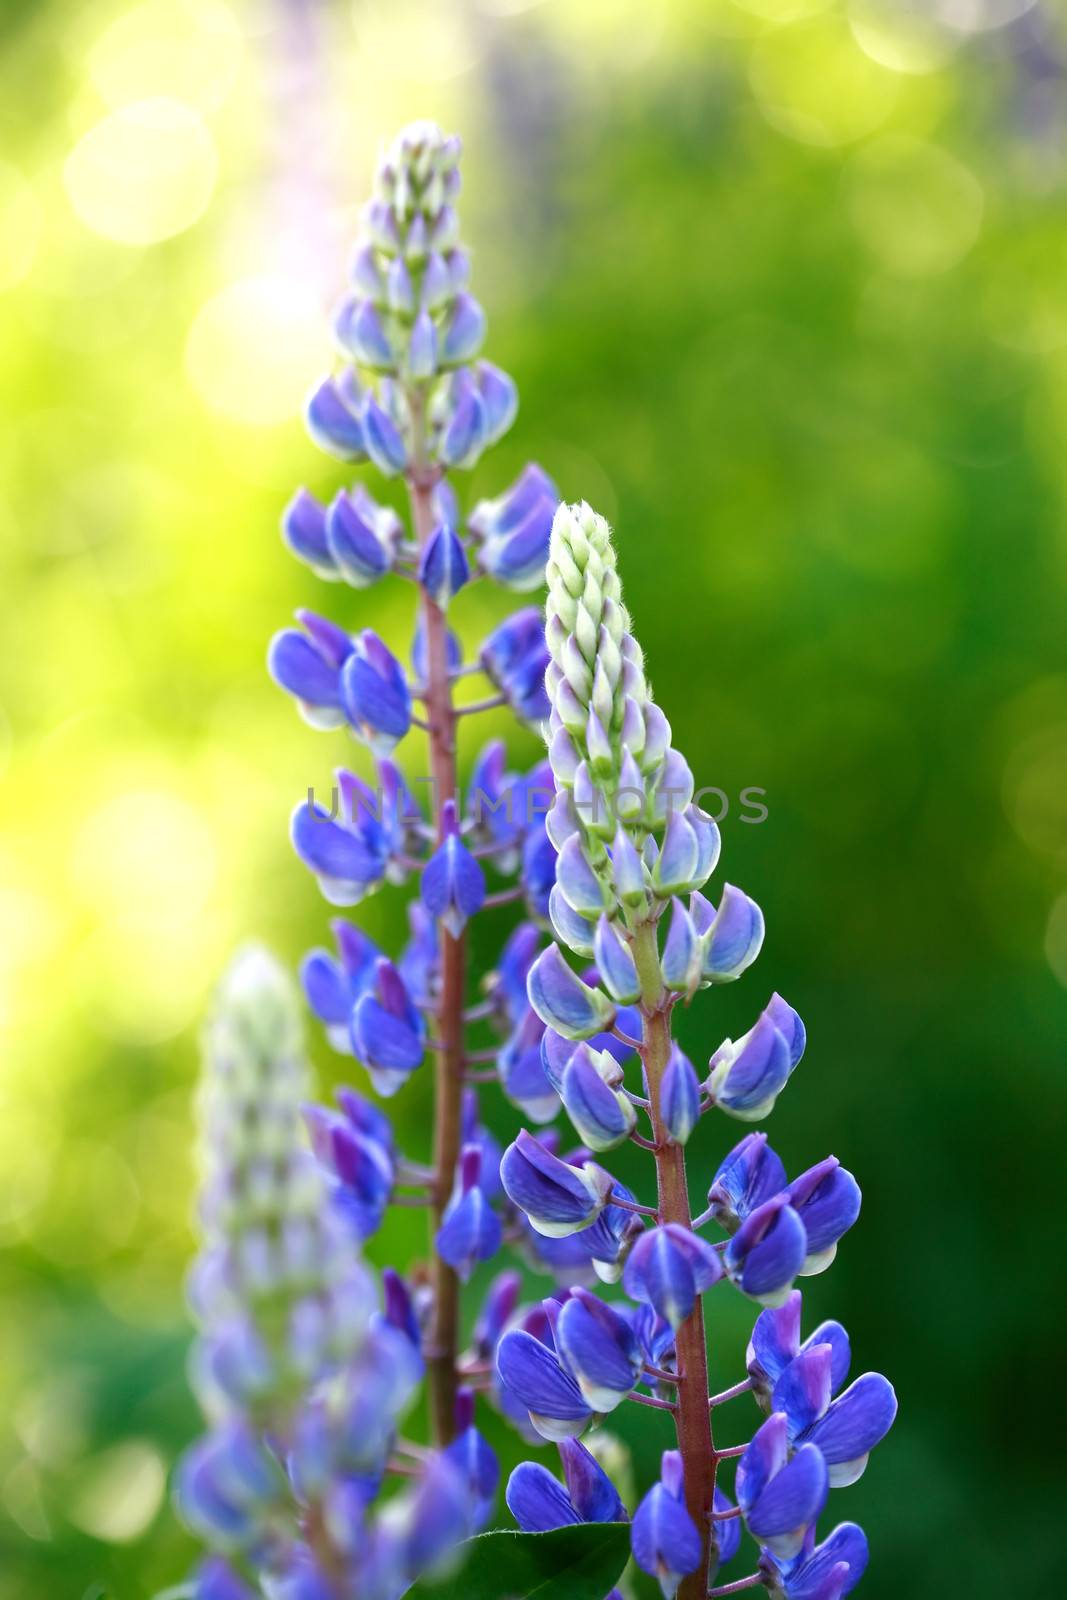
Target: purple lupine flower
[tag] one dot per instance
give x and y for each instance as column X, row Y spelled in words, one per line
column 470, row 1231
column 775, row 1342
column 599, row 1348
column 333, row 419
column 443, row 567
column 521, row 1070
column 453, row 883
column 820, row 1572
column 827, row 1200
column 465, row 432
column 304, row 531
column 845, row 1431
column 215, row 1579
column 333, row 985
column 750, row 1175
column 476, row 1462
column 746, row 1077
column 531, row 1371
column 767, row 1252
column 539, row 1502
column 665, row 1540
column 362, row 1165
column 732, row 935
column 361, row 537
column 375, row 693
column 679, row 1097
column 559, row 1199
column 668, row 1267
column 589, row 1088
column 563, row 1002
column 388, row 1033
column 780, row 1495
column 500, row 399
column 382, row 439
column 308, row 666
column 514, row 657
column 463, row 332
column 348, row 859
column 229, row 1485
column 497, row 1308
column 507, row 983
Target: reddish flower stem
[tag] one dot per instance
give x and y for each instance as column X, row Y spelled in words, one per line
column 442, row 1343
column 692, row 1414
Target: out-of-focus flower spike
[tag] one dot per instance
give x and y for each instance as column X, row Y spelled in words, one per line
column 665, row 1540
column 563, row 1001
column 453, row 883
column 475, row 1460
column 615, row 964
column 361, row 334
column 421, row 356
column 333, row 425
column 443, row 568
column 215, row 1579
column 679, row 1097
column 559, row 1199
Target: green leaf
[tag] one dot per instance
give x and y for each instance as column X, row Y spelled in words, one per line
column 583, row 1562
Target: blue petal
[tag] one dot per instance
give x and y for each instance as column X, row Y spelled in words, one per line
column 593, row 1495
column 857, row 1421
column 304, row 531
column 664, row 1538
column 537, row 1500
column 563, row 1001
column 531, row 1372
column 354, row 545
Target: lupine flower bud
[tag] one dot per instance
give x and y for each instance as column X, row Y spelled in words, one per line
column 780, row 1496
column 680, row 963
column 820, row 1572
column 666, row 1543
column 589, row 1088
column 767, row 1252
column 463, row 422
column 333, row 419
column 751, row 1174
column 599, row 1348
column 827, row 1200
column 514, row 530
column 443, row 569
column 500, row 399
column 361, row 334
column 679, row 1097
column 559, row 1199
column 679, row 857
column 375, row 694
column 668, row 1267
column 463, row 331
column 563, row 1001
column 308, row 666
column 453, row 883
column 360, row 538
column 746, row 1077
column 530, row 1371
column 569, row 926
column 388, row 1033
column 470, row 1231
column 732, row 935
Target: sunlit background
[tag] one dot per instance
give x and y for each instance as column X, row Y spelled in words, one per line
column 784, row 285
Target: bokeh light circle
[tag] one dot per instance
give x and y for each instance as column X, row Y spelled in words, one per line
column 143, row 174
column 20, row 226
column 186, row 49
column 812, row 83
column 252, row 346
column 916, row 208
column 904, row 35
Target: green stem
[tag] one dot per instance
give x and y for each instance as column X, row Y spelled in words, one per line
column 693, row 1417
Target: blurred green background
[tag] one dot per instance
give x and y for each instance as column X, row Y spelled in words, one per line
column 784, row 286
